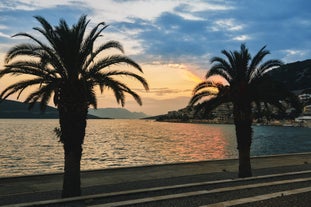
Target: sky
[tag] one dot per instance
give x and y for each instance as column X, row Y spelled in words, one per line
column 172, row 40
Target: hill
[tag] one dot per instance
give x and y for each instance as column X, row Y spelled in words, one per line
column 295, row 76
column 116, row 113
column 15, row 109
column 18, row 110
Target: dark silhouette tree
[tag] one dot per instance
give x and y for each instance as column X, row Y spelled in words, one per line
column 68, row 67
column 248, row 85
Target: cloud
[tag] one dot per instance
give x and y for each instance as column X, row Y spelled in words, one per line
column 164, row 92
column 163, row 30
column 32, row 5
column 170, row 30
column 292, row 55
column 174, row 35
column 193, row 11
column 278, row 26
column 4, row 35
column 168, row 91
column 227, row 24
column 242, row 38
column 169, row 37
column 124, row 10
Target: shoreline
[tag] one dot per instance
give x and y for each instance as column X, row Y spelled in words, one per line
column 47, row 187
column 176, row 164
column 281, row 123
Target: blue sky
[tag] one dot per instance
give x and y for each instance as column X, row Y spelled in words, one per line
column 175, row 35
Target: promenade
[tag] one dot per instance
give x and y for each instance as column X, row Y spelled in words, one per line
column 44, row 190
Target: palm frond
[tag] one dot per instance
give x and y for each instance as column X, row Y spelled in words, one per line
column 88, row 43
column 41, row 51
column 92, row 97
column 205, row 94
column 118, row 88
column 23, row 49
column 218, row 69
column 245, row 57
column 109, row 82
column 47, row 30
column 44, row 93
column 222, row 63
column 203, row 85
column 27, row 68
column 264, row 68
column 129, row 74
column 19, row 87
column 99, row 50
column 132, row 93
column 113, row 60
column 258, row 58
column 9, row 56
column 230, row 56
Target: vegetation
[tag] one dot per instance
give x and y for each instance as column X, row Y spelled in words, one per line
column 296, row 75
column 68, row 67
column 247, row 83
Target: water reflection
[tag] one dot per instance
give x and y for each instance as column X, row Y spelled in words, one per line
column 137, row 142
column 30, row 147
column 199, row 143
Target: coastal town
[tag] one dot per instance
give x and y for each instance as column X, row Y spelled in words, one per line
column 223, row 115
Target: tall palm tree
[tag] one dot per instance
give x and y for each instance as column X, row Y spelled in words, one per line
column 68, row 67
column 248, row 84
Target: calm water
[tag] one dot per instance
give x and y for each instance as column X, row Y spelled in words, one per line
column 30, row 146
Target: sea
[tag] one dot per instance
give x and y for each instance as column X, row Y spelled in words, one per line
column 30, row 146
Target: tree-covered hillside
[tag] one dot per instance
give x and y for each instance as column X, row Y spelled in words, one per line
column 296, row 75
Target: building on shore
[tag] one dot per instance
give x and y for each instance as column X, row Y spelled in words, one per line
column 304, row 120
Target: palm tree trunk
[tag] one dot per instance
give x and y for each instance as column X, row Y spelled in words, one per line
column 243, row 128
column 71, row 182
column 73, row 124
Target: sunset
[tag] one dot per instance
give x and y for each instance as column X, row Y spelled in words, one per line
column 173, row 41
column 150, row 103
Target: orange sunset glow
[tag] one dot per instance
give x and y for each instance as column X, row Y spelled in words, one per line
column 172, row 41
column 155, row 102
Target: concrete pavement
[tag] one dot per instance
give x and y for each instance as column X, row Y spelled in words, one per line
column 27, row 186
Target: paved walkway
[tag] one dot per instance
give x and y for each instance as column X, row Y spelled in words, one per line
column 29, row 185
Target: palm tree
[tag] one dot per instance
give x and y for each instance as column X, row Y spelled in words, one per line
column 248, row 84
column 67, row 67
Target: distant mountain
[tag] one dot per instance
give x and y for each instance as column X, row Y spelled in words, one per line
column 18, row 110
column 116, row 113
column 295, row 76
column 15, row 109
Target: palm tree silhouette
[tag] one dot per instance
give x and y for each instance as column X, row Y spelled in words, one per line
column 248, row 83
column 68, row 67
